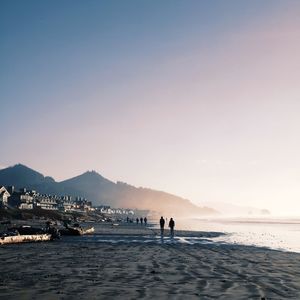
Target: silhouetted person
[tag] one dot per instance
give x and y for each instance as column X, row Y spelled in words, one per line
column 172, row 225
column 137, row 220
column 145, row 221
column 162, row 225
column 127, row 219
column 141, row 220
column 66, row 223
column 48, row 223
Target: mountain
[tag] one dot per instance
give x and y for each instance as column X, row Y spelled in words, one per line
column 102, row 191
column 20, row 175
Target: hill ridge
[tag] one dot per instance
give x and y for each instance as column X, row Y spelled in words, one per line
column 102, row 191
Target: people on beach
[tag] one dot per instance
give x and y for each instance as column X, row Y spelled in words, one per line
column 172, row 225
column 137, row 220
column 145, row 221
column 162, row 225
column 141, row 220
column 48, row 223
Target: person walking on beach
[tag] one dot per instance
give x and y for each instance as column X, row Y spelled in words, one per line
column 172, row 225
column 137, row 220
column 141, row 220
column 145, row 221
column 162, row 225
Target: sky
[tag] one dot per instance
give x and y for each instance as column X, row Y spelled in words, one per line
column 197, row 98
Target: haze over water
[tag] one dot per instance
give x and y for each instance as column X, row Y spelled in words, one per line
column 275, row 233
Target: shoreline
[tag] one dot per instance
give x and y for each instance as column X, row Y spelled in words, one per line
column 131, row 229
column 88, row 267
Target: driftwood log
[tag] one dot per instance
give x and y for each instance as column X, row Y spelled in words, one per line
column 24, row 238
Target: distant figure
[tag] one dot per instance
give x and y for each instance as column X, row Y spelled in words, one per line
column 162, row 226
column 141, row 220
column 172, row 225
column 48, row 223
column 66, row 223
column 145, row 221
column 137, row 220
column 127, row 219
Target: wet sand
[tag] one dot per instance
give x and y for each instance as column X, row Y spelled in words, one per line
column 136, row 264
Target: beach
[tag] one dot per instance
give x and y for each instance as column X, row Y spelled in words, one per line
column 133, row 262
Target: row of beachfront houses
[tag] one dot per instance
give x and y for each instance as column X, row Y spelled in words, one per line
column 114, row 211
column 30, row 199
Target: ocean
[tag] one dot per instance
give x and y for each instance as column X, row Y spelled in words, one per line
column 274, row 233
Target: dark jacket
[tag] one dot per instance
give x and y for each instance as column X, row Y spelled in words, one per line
column 162, row 222
column 171, row 223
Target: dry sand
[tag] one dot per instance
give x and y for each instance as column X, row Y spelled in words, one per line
column 133, row 268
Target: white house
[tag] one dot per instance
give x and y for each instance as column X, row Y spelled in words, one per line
column 4, row 195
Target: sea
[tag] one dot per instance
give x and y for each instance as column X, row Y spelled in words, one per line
column 281, row 234
column 277, row 233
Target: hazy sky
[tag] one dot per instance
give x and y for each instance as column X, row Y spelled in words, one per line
column 197, row 98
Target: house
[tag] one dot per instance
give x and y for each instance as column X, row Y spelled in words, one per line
column 30, row 199
column 46, row 202
column 21, row 199
column 65, row 205
column 26, row 200
column 82, row 204
column 4, row 195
